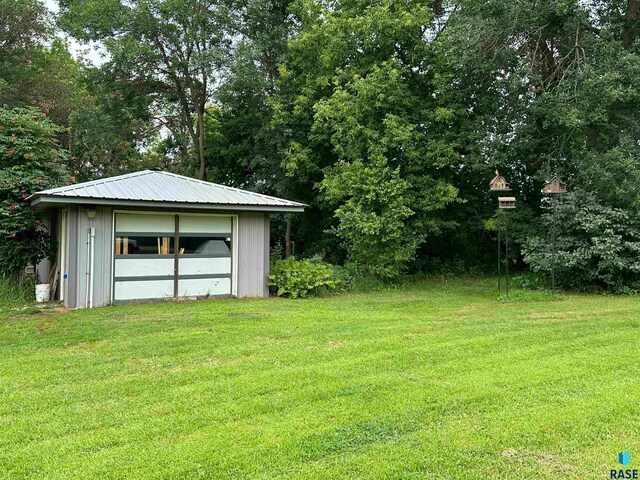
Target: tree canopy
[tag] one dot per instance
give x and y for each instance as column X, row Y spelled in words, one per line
column 387, row 117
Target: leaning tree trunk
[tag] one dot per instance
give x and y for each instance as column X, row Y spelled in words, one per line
column 202, row 170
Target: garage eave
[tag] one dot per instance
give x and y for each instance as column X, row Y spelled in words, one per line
column 40, row 201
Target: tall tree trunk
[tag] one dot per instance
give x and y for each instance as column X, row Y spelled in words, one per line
column 438, row 8
column 287, row 240
column 202, row 170
column 630, row 16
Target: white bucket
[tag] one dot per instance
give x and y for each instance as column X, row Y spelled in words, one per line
column 43, row 292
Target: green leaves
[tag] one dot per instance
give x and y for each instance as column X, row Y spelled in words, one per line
column 172, row 50
column 30, row 160
column 302, row 278
column 356, row 104
column 372, row 213
column 596, row 245
column 386, row 117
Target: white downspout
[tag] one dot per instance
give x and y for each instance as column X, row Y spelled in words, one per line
column 91, row 213
column 88, row 274
column 92, row 235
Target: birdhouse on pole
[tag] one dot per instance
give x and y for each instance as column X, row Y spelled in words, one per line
column 555, row 185
column 499, row 183
column 507, row 202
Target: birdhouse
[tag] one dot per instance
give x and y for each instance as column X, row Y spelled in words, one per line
column 507, row 202
column 499, row 183
column 555, row 185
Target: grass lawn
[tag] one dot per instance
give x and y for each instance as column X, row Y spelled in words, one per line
column 436, row 380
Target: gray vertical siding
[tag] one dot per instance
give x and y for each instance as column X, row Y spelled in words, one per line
column 78, row 249
column 80, row 253
column 267, row 248
column 253, row 254
column 58, row 234
column 71, row 295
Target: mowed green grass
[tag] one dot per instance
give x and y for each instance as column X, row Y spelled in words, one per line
column 436, row 380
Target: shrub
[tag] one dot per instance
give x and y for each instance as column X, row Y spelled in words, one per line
column 31, row 159
column 301, row 278
column 597, row 245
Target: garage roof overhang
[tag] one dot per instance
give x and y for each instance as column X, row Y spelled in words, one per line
column 162, row 190
column 46, row 201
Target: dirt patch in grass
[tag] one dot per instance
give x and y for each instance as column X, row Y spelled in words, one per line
column 37, row 311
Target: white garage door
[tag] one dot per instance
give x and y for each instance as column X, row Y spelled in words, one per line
column 152, row 262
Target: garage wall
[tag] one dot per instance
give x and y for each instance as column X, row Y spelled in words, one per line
column 43, row 268
column 253, row 254
column 78, row 228
column 71, row 297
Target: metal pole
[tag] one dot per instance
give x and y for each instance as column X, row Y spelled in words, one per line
column 176, row 256
column 554, row 247
column 499, row 260
column 86, row 299
column 506, row 241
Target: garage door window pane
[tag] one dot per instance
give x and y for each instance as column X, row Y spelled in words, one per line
column 143, row 245
column 205, row 246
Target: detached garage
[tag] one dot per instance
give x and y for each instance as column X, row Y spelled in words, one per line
column 155, row 235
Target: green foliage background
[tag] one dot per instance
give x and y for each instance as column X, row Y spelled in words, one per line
column 387, row 117
column 32, row 161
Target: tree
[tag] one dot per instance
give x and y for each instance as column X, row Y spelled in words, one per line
column 173, row 51
column 357, row 119
column 35, row 69
column 46, row 77
column 31, row 160
column 597, row 245
column 373, row 213
column 241, row 147
column 102, row 145
column 550, row 89
column 23, row 24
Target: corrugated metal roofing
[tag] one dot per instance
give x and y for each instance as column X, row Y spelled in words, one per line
column 157, row 186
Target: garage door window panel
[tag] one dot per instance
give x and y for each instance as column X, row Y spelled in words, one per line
column 205, row 245
column 205, row 256
column 144, row 245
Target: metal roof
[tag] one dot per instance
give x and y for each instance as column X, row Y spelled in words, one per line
column 156, row 188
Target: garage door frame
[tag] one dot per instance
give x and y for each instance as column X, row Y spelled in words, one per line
column 176, row 214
